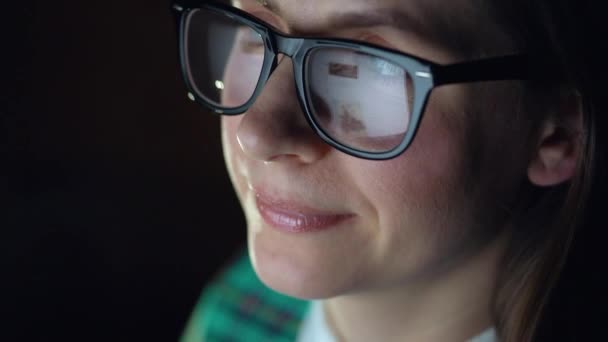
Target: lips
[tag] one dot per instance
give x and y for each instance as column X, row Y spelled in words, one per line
column 294, row 217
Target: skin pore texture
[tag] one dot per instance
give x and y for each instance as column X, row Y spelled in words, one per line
column 416, row 260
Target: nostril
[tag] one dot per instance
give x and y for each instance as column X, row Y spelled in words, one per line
column 263, row 148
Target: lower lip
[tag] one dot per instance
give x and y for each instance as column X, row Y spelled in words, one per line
column 297, row 221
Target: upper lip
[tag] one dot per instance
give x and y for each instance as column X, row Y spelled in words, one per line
column 301, row 207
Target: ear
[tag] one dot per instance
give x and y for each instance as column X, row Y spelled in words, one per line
column 559, row 144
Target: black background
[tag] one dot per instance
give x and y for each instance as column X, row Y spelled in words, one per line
column 116, row 207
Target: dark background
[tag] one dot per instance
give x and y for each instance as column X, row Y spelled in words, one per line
column 115, row 205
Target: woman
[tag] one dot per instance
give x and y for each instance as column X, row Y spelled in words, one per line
column 418, row 169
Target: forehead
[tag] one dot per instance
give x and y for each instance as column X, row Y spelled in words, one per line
column 467, row 26
column 322, row 8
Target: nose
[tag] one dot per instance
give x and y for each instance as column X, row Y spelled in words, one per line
column 275, row 127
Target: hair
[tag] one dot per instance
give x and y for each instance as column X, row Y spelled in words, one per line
column 546, row 288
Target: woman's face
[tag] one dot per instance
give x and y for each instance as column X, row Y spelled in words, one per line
column 322, row 223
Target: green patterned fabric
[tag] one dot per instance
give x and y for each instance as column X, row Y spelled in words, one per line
column 236, row 306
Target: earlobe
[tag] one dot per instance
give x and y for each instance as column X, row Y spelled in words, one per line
column 556, row 156
column 554, row 163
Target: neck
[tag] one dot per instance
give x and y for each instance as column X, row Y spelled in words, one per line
column 455, row 305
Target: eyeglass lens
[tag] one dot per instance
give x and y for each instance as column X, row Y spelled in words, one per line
column 224, row 58
column 360, row 100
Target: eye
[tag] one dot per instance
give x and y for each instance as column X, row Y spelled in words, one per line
column 386, row 68
column 381, row 67
column 379, row 64
column 250, row 41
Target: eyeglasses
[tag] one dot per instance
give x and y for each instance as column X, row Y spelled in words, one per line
column 362, row 99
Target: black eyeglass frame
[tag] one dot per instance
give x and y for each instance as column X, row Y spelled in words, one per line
column 426, row 75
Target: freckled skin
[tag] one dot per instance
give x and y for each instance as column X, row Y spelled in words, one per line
column 418, row 216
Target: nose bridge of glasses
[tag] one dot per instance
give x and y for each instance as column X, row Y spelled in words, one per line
column 288, row 46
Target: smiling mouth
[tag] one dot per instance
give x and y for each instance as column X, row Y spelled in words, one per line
column 294, row 218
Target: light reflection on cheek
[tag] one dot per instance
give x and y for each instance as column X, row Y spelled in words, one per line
column 243, row 68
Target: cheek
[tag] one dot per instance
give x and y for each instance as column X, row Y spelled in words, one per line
column 441, row 198
column 430, row 172
column 229, row 125
column 231, row 150
column 421, row 199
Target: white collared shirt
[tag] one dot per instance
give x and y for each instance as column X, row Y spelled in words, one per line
column 314, row 328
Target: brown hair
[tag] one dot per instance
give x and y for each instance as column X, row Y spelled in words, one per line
column 542, row 285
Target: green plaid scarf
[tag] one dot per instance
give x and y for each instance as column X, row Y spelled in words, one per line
column 236, row 306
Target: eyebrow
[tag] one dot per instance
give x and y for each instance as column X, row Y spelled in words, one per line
column 376, row 17
column 441, row 32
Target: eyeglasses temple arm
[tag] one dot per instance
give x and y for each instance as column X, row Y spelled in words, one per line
column 513, row 67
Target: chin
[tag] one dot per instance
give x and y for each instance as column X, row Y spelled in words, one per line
column 301, row 269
